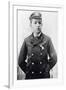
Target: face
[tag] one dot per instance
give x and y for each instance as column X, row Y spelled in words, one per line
column 36, row 25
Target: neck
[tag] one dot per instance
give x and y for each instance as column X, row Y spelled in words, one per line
column 37, row 34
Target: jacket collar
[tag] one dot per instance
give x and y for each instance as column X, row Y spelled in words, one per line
column 36, row 40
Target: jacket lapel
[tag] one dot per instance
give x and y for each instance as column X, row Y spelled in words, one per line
column 35, row 41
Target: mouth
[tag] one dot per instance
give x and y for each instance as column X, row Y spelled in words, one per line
column 38, row 30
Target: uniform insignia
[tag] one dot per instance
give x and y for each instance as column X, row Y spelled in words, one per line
column 42, row 47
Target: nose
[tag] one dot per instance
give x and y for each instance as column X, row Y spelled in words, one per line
column 37, row 24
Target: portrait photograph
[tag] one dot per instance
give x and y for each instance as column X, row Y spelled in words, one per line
column 39, row 58
column 35, row 45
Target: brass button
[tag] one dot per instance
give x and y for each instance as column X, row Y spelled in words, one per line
column 32, row 63
column 40, row 72
column 40, row 62
column 32, row 72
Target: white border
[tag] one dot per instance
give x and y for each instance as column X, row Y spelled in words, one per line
column 13, row 82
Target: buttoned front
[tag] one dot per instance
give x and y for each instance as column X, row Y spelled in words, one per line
column 37, row 50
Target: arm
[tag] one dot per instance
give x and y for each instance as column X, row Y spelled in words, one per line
column 22, row 57
column 52, row 55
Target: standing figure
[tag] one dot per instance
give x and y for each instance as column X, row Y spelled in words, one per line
column 37, row 55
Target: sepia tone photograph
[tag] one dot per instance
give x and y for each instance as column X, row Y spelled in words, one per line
column 37, row 44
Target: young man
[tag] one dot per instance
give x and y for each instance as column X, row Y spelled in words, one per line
column 37, row 56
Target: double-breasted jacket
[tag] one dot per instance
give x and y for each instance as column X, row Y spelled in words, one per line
column 37, row 56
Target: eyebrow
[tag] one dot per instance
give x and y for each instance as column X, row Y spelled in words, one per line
column 39, row 21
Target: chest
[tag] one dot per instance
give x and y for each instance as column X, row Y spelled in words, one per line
column 37, row 49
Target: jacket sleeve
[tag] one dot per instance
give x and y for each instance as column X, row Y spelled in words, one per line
column 52, row 54
column 22, row 57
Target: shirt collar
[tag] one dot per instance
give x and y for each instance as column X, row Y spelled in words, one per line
column 37, row 36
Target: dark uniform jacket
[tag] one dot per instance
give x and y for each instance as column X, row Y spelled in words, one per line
column 37, row 57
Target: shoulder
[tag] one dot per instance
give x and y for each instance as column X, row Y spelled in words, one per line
column 28, row 39
column 46, row 37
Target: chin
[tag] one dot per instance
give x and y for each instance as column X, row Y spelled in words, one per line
column 38, row 32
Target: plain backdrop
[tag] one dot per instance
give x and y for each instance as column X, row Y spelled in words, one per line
column 4, row 43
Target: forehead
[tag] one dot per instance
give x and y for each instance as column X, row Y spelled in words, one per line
column 36, row 20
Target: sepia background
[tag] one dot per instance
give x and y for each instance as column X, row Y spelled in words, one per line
column 50, row 28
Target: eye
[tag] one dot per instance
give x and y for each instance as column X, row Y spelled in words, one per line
column 39, row 22
column 35, row 22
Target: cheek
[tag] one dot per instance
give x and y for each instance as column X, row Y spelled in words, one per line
column 33, row 26
column 40, row 24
